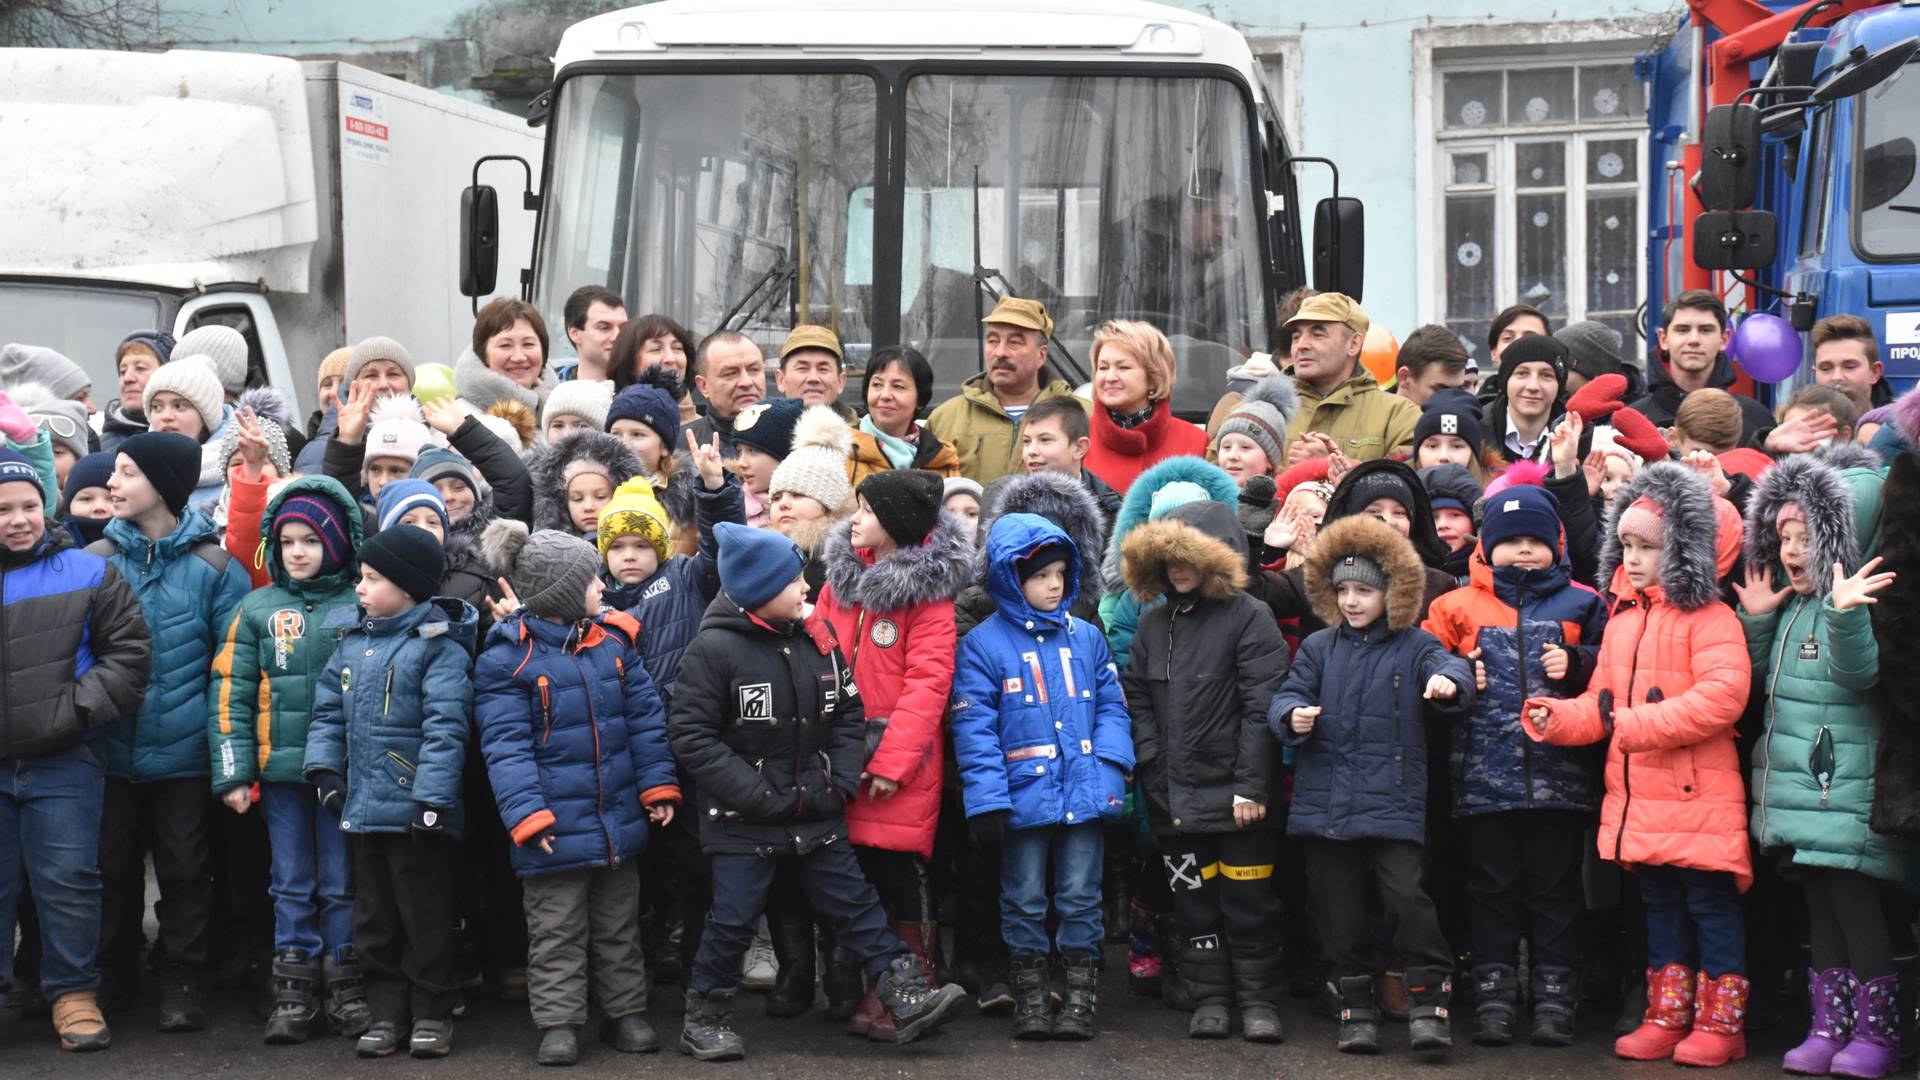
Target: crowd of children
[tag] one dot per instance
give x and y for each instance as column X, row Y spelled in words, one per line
column 620, row 698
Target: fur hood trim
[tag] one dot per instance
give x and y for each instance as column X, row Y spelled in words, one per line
column 481, row 387
column 811, row 536
column 1844, row 456
column 1689, row 562
column 1823, row 495
column 935, row 570
column 548, row 465
column 1203, row 535
column 1139, row 501
column 1361, row 534
column 463, row 536
column 1061, row 499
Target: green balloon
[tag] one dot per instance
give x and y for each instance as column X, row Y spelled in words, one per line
column 431, row 382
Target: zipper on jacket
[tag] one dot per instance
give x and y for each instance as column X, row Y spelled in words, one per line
column 1626, row 759
column 546, row 710
column 1520, row 643
column 386, row 699
column 1766, row 739
column 1822, row 741
column 599, row 783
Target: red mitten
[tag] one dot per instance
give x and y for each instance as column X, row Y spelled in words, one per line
column 1637, row 434
column 1599, row 399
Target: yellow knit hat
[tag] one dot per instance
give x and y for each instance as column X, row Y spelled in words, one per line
column 634, row 511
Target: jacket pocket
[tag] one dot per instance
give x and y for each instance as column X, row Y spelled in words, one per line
column 1821, row 763
column 399, row 768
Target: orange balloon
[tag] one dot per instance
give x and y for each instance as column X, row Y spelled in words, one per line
column 1380, row 354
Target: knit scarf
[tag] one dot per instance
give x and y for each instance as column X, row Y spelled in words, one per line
column 900, row 452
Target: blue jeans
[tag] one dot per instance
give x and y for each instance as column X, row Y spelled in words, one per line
column 1693, row 918
column 50, row 830
column 841, row 897
column 312, row 873
column 1077, row 853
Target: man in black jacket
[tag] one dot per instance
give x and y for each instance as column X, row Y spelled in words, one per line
column 74, row 657
column 768, row 724
column 1693, row 340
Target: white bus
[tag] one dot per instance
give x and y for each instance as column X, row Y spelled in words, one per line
column 889, row 168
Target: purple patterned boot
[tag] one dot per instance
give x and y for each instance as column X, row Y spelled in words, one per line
column 1875, row 1049
column 1830, row 997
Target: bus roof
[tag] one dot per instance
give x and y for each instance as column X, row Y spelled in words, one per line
column 1058, row 30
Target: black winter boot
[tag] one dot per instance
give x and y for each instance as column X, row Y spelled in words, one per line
column 1029, row 975
column 1429, row 992
column 1075, row 1021
column 845, row 982
column 1556, row 996
column 180, row 1004
column 1206, row 977
column 1359, row 1017
column 792, row 937
column 1496, row 1005
column 346, row 1004
column 916, row 1007
column 295, row 1007
column 1256, row 990
column 707, row 1032
column 1633, row 1004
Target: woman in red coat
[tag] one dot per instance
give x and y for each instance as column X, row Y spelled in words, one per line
column 1133, row 422
column 893, row 570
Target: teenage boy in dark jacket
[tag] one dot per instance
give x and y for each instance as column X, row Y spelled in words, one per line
column 1360, row 776
column 76, row 656
column 767, row 723
column 1203, row 667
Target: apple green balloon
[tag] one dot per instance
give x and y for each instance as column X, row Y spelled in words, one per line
column 431, row 382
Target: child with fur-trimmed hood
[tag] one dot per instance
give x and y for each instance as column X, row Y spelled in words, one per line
column 1354, row 710
column 575, row 478
column 1811, row 526
column 893, row 570
column 1204, row 664
column 1670, row 684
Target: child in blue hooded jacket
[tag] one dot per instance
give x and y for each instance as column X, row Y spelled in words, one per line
column 386, row 747
column 575, row 738
column 1044, row 745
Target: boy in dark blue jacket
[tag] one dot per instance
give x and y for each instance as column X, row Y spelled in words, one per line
column 1043, row 745
column 576, row 745
column 1360, row 770
column 386, row 748
column 1524, row 806
column 767, row 722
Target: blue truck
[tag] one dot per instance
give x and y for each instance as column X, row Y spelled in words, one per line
column 1782, row 166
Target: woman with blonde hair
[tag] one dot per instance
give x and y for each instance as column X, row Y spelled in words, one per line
column 1133, row 422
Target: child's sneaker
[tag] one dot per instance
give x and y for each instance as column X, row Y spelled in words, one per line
column 707, row 1032
column 431, row 1039
column 380, row 1040
column 916, row 1007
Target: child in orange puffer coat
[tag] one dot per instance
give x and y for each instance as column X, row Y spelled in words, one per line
column 1671, row 683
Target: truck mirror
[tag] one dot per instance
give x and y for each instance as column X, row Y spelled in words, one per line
column 479, row 240
column 1868, row 71
column 1730, row 164
column 1734, row 239
column 1339, row 245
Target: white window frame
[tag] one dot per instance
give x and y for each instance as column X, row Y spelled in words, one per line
column 1457, row 49
column 1286, row 96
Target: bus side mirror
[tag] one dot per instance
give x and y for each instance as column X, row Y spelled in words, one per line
column 1339, row 246
column 479, row 240
column 1730, row 165
column 1734, row 239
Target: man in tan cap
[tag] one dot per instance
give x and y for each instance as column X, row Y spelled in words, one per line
column 981, row 423
column 1341, row 407
column 812, row 368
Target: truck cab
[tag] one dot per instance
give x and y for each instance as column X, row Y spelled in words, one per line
column 890, row 169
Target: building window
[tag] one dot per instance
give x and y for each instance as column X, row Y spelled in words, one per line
column 1277, row 63
column 1539, row 183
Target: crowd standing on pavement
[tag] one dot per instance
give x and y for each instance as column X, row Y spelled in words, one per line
column 564, row 683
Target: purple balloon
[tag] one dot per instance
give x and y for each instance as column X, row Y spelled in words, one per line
column 1766, row 346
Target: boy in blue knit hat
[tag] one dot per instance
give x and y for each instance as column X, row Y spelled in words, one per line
column 767, row 724
column 1531, row 632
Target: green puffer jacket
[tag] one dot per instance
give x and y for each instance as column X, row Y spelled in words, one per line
column 260, row 698
column 1819, row 667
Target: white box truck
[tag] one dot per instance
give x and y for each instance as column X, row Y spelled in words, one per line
column 308, row 204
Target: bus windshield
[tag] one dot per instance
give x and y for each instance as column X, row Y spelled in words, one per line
column 754, row 201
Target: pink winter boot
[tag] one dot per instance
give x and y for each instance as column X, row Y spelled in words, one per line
column 1830, row 1000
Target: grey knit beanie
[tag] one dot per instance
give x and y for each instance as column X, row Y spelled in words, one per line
column 549, row 570
column 39, row 364
column 379, row 348
column 225, row 347
column 1361, row 569
column 1263, row 415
